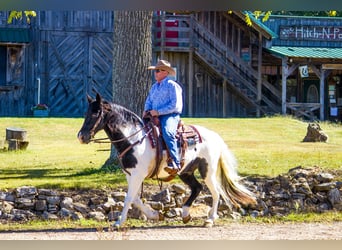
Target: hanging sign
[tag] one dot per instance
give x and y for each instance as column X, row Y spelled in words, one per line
column 304, row 72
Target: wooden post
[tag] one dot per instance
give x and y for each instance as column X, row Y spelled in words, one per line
column 162, row 35
column 283, row 85
column 321, row 96
column 224, row 98
column 191, row 70
column 259, row 87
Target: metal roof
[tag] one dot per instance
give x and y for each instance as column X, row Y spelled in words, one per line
column 307, row 52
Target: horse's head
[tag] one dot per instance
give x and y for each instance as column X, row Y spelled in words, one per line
column 93, row 121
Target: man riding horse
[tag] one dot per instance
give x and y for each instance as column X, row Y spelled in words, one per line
column 165, row 101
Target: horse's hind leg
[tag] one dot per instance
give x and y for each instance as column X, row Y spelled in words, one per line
column 214, row 190
column 196, row 188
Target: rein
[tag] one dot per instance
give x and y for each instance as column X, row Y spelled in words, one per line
column 129, row 147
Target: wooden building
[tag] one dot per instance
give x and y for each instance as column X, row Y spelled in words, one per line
column 227, row 68
column 305, row 59
column 55, row 60
column 218, row 58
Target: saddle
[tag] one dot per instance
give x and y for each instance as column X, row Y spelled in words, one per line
column 187, row 135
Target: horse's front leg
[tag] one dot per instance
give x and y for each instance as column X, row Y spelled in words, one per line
column 134, row 185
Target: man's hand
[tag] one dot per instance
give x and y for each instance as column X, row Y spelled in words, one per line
column 154, row 112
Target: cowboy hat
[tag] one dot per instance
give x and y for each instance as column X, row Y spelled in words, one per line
column 164, row 65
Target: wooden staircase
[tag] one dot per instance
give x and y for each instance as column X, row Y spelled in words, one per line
column 240, row 76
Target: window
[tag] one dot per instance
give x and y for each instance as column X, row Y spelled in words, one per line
column 11, row 65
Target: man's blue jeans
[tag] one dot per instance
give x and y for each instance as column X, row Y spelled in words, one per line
column 169, row 124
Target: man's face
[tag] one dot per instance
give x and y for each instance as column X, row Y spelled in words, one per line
column 159, row 74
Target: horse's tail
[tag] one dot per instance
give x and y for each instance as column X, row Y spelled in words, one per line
column 232, row 191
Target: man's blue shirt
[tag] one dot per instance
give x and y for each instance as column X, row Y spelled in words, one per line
column 165, row 97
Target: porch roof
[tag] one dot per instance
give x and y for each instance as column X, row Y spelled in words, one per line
column 15, row 35
column 307, row 52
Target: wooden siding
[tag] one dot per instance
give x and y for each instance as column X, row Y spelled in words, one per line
column 207, row 88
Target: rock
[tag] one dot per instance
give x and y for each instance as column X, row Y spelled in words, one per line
column 163, row 196
column 25, row 191
column 315, row 134
column 67, row 203
column 40, row 205
column 324, row 186
column 24, row 203
column 334, row 197
column 53, row 200
column 299, row 190
column 64, row 213
column 109, row 205
column 82, row 208
column 76, row 216
column 325, row 177
column 179, row 189
column 119, row 196
column 97, row 216
column 6, row 207
column 48, row 216
column 156, row 205
column 47, row 192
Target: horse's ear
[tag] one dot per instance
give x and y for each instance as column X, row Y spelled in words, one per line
column 98, row 98
column 89, row 98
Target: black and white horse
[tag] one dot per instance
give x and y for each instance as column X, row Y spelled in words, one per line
column 212, row 158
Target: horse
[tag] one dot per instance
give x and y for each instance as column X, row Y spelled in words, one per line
column 212, row 158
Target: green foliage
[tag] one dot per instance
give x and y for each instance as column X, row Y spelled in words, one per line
column 28, row 14
column 264, row 15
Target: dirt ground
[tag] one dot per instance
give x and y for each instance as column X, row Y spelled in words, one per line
column 233, row 231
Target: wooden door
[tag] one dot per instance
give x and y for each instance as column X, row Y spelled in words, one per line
column 78, row 63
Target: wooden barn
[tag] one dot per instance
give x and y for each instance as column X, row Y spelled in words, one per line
column 227, row 68
column 55, row 60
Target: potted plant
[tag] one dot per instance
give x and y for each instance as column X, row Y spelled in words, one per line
column 40, row 110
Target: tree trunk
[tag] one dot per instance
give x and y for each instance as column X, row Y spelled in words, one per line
column 132, row 54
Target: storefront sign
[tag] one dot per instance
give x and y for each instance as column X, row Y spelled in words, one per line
column 329, row 33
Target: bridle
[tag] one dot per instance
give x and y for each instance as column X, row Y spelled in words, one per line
column 121, row 155
column 98, row 120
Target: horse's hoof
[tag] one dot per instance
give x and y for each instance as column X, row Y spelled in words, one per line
column 186, row 219
column 161, row 216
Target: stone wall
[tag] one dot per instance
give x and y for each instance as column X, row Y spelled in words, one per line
column 298, row 191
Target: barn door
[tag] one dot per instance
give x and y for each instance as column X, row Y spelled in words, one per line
column 77, row 63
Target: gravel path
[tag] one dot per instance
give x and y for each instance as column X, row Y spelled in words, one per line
column 233, row 231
